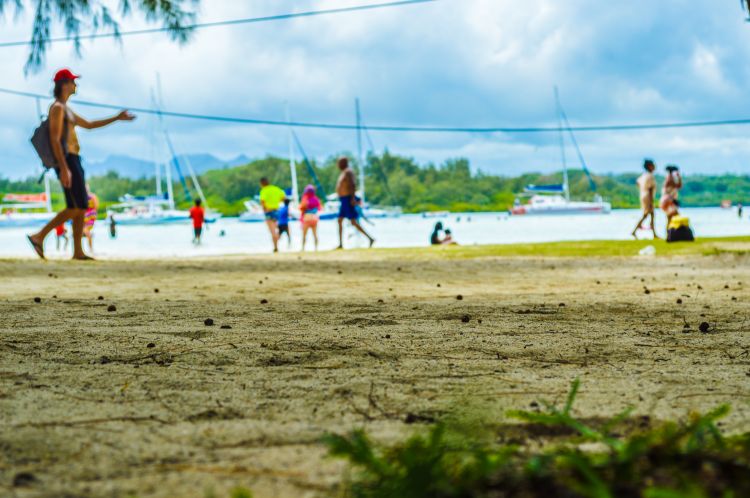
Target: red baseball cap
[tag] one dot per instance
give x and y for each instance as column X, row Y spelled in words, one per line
column 65, row 74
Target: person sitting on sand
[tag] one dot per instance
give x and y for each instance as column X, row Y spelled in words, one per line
column 435, row 239
column 64, row 142
column 309, row 209
column 284, row 221
column 346, row 187
column 647, row 187
column 670, row 193
column 448, row 239
column 271, row 198
column 198, row 214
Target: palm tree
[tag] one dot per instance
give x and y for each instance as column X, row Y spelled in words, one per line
column 173, row 15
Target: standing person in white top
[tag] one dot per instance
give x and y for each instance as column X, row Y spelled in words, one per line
column 647, row 187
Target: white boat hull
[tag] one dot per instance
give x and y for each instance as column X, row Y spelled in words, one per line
column 25, row 220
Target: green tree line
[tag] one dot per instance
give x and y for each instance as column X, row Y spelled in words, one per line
column 396, row 180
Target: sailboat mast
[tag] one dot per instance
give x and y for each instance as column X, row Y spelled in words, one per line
column 359, row 150
column 566, row 186
column 292, row 162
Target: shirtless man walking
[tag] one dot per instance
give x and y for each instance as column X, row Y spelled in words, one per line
column 62, row 127
column 647, row 187
column 346, row 186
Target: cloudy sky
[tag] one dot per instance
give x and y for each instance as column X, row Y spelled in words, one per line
column 447, row 63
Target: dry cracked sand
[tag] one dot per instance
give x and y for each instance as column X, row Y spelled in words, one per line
column 149, row 401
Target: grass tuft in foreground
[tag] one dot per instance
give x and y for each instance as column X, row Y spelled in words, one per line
column 690, row 459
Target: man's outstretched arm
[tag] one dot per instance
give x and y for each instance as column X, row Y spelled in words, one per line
column 100, row 123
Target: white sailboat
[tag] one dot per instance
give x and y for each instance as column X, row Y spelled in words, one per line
column 555, row 199
column 160, row 209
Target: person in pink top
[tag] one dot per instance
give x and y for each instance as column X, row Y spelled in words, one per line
column 309, row 208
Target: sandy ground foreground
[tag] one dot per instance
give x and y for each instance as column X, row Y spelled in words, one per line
column 146, row 400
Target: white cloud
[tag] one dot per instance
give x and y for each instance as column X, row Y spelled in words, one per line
column 452, row 62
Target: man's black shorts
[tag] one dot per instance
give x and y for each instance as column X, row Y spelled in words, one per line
column 76, row 196
column 283, row 229
column 197, row 231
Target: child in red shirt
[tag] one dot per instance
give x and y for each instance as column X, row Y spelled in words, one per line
column 198, row 215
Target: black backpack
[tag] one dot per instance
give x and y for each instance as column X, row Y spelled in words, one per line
column 681, row 234
column 43, row 143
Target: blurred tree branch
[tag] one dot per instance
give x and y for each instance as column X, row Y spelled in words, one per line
column 73, row 15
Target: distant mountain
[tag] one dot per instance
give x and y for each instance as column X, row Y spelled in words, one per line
column 130, row 167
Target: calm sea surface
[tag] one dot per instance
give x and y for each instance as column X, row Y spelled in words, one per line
column 406, row 231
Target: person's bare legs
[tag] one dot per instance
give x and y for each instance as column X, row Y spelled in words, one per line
column 355, row 224
column 38, row 238
column 341, row 233
column 89, row 237
column 638, row 225
column 315, row 235
column 653, row 228
column 273, row 227
column 304, row 237
column 78, row 215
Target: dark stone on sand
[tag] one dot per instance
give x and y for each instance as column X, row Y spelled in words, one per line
column 466, row 318
column 156, row 291
column 260, row 282
column 679, row 301
column 111, row 308
column 208, row 322
column 387, row 336
column 459, row 297
column 100, row 298
column 381, row 301
column 23, row 479
column 150, row 345
column 561, row 305
column 54, row 297
column 704, row 326
column 439, row 285
column 104, row 360
column 734, row 298
column 226, row 327
column 398, row 269
column 726, row 286
column 534, row 404
column 50, row 275
column 340, row 272
column 264, row 301
column 646, row 291
column 37, row 299
column 479, row 321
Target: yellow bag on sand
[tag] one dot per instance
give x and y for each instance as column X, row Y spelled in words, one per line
column 678, row 222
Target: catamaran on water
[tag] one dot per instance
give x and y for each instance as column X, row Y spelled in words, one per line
column 555, row 199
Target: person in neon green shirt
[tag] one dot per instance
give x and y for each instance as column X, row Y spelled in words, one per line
column 271, row 198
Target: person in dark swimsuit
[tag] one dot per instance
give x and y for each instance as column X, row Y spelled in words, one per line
column 435, row 239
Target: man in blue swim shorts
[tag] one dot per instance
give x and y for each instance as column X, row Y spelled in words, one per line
column 346, row 187
column 271, row 198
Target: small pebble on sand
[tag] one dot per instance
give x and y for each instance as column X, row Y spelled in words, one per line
column 466, row 318
column 37, row 299
column 226, row 327
column 704, row 327
column 208, row 322
column 150, row 345
column 111, row 308
column 459, row 297
column 264, row 301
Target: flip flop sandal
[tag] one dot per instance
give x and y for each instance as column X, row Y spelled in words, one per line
column 37, row 247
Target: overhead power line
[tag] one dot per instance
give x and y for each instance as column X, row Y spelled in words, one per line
column 397, row 128
column 230, row 22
